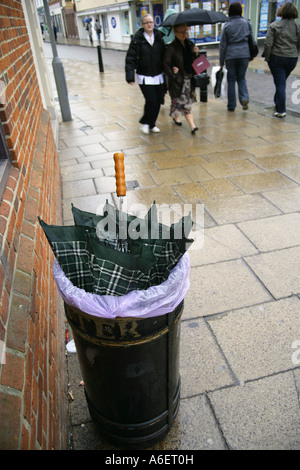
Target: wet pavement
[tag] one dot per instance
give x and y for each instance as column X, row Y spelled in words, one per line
column 240, row 329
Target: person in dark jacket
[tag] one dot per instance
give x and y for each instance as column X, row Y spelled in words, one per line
column 281, row 51
column 178, row 59
column 234, row 51
column 54, row 31
column 145, row 57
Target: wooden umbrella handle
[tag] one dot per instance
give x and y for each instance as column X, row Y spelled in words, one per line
column 120, row 173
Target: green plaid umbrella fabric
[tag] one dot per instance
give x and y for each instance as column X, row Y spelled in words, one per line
column 70, row 247
column 167, row 251
column 111, row 218
column 96, row 267
column 117, row 273
column 91, row 220
column 96, row 264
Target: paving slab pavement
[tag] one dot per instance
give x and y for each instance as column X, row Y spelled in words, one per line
column 240, row 330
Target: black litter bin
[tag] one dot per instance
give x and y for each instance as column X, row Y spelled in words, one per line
column 130, row 369
column 130, row 364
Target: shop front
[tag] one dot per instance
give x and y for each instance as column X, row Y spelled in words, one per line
column 206, row 34
column 115, row 21
column 155, row 8
column 260, row 12
column 121, row 20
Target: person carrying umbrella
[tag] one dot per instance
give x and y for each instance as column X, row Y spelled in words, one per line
column 145, row 56
column 178, row 59
column 234, row 50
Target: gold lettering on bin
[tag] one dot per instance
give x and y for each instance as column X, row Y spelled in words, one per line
column 129, row 329
column 117, row 330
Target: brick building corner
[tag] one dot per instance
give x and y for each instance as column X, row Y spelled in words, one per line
column 32, row 379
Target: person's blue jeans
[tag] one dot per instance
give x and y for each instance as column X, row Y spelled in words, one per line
column 236, row 72
column 281, row 67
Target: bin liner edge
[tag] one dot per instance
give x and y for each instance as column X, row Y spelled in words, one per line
column 151, row 302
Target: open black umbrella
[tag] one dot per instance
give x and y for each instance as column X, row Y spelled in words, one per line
column 195, row 16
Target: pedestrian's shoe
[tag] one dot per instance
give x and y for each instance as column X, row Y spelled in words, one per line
column 279, row 115
column 245, row 104
column 194, row 130
column 154, row 129
column 178, row 123
column 145, row 128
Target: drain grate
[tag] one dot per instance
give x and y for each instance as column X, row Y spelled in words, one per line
column 132, row 185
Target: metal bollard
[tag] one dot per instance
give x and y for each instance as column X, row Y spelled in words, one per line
column 101, row 68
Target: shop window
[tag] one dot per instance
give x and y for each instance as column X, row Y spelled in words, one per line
column 158, row 14
column 174, row 4
column 5, row 162
column 205, row 33
column 267, row 14
column 105, row 26
column 125, row 23
column 210, row 33
column 56, row 20
column 140, row 10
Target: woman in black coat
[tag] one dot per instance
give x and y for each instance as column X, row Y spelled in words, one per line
column 145, row 56
column 178, row 60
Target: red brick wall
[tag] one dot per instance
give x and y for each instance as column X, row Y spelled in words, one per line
column 32, row 387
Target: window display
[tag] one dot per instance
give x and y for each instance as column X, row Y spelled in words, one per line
column 141, row 10
column 158, row 14
column 174, row 4
column 267, row 14
column 210, row 33
column 125, row 23
column 205, row 33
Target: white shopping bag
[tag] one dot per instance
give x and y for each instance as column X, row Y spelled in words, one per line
column 213, row 80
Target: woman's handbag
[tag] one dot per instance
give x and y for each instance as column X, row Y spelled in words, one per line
column 252, row 44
